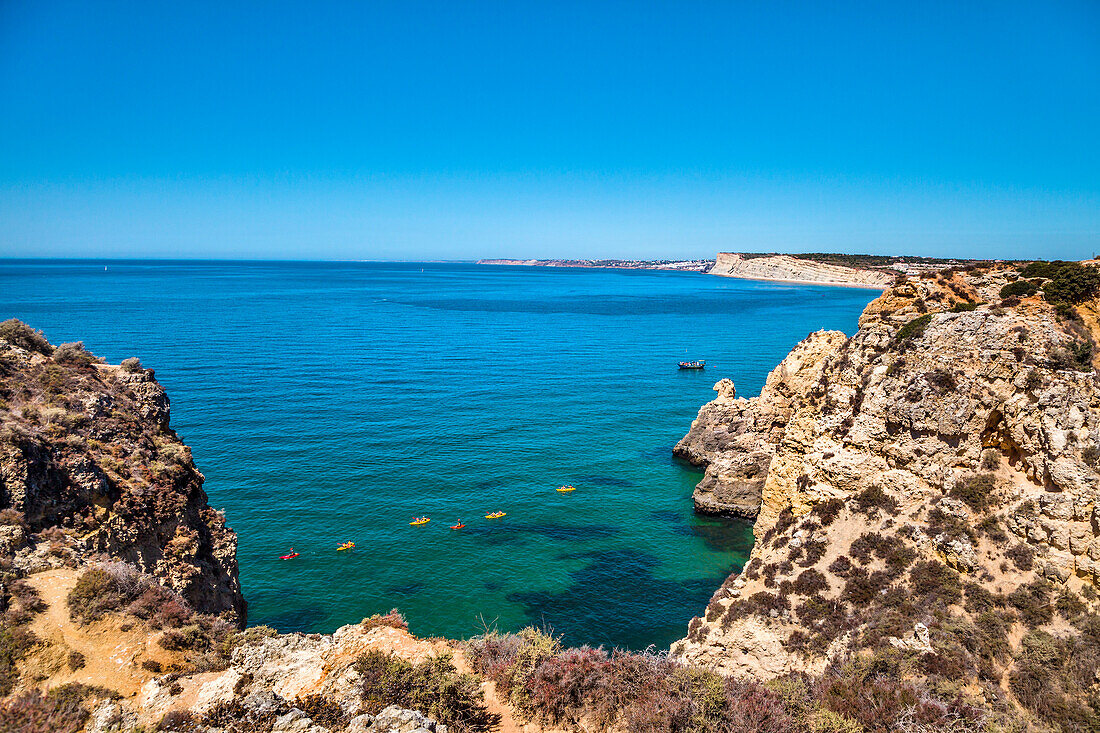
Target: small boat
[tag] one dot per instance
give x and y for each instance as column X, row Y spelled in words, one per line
column 495, row 515
column 346, row 546
column 419, row 520
column 460, row 525
column 563, row 489
column 291, row 556
column 701, row 364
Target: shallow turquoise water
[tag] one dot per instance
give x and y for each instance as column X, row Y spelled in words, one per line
column 327, row 402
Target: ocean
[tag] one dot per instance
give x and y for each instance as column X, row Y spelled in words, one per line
column 333, row 402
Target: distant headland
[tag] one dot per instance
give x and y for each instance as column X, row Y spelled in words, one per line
column 866, row 271
column 686, row 265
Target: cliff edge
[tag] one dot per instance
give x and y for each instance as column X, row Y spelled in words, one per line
column 784, row 268
column 930, row 485
column 88, row 458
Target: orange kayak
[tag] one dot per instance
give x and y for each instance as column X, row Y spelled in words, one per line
column 458, row 526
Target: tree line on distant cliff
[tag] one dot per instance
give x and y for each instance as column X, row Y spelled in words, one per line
column 859, row 261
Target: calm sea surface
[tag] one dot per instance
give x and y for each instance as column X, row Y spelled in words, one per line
column 328, row 402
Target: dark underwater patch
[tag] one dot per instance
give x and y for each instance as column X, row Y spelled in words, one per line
column 305, row 620
column 512, row 532
column 666, row 515
column 407, row 589
column 617, row 600
column 732, row 536
column 612, row 481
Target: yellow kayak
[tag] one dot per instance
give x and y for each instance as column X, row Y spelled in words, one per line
column 346, row 546
column 422, row 520
column 495, row 515
column 563, row 489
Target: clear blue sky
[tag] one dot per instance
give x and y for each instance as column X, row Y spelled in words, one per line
column 458, row 130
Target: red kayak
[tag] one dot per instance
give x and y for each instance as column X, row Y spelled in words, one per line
column 458, row 526
column 291, row 556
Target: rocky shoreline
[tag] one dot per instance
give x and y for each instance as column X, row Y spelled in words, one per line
column 926, row 496
column 955, row 436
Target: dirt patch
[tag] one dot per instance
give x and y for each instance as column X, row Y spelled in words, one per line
column 113, row 649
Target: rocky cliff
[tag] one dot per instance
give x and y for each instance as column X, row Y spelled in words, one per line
column 89, row 464
column 791, row 269
column 929, row 485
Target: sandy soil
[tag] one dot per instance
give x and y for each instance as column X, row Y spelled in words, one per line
column 112, row 655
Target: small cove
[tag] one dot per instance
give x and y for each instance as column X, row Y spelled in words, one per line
column 327, row 402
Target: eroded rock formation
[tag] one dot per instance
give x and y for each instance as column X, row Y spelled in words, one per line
column 86, row 447
column 792, row 269
column 938, row 465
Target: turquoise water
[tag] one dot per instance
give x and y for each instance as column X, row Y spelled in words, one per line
column 327, row 402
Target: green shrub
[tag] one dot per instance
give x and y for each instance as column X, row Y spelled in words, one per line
column 74, row 354
column 991, row 527
column 322, row 711
column 192, row 637
column 1021, row 555
column 1042, row 269
column 827, row 511
column 932, row 579
column 1072, row 283
column 1076, row 355
column 33, row 712
column 1067, row 312
column 941, row 379
column 914, row 329
column 964, row 307
column 393, row 619
column 1033, row 603
column 874, row 497
column 433, row 687
column 15, row 642
column 133, row 364
column 976, row 491
column 1055, row 678
column 19, row 334
column 94, row 594
column 1019, row 289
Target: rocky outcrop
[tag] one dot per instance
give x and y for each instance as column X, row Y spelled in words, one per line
column 953, row 441
column 734, row 438
column 784, row 268
column 267, row 675
column 86, row 452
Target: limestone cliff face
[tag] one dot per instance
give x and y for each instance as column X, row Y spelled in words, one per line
column 950, row 431
column 86, row 448
column 734, row 438
column 792, row 269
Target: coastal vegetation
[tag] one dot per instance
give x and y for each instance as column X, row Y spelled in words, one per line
column 914, row 515
column 592, row 689
column 1071, row 283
